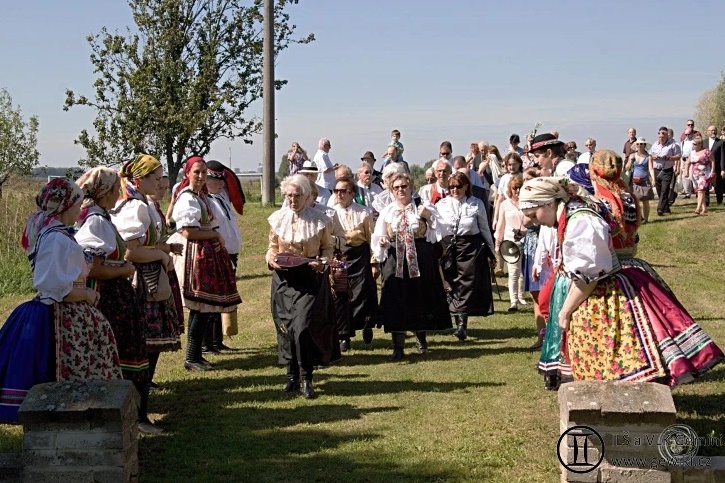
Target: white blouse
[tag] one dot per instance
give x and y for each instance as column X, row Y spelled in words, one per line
column 510, row 219
column 187, row 211
column 59, row 262
column 226, row 217
column 473, row 217
column 587, row 251
column 392, row 216
column 547, row 255
column 134, row 219
column 96, row 235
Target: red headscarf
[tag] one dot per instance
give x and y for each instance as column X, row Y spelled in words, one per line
column 190, row 161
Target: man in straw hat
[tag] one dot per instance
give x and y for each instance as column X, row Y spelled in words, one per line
column 310, row 171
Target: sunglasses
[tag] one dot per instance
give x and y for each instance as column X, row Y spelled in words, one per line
column 400, row 187
column 690, row 125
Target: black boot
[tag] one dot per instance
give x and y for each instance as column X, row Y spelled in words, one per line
column 421, row 342
column 208, row 345
column 197, row 326
column 293, row 377
column 308, row 392
column 398, row 344
column 462, row 321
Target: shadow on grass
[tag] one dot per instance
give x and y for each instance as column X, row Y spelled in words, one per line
column 214, row 435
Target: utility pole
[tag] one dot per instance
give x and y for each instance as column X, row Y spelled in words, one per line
column 268, row 110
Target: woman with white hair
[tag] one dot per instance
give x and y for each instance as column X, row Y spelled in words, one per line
column 621, row 323
column 302, row 308
column 386, row 197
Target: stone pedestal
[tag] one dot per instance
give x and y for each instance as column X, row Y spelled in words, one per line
column 626, row 418
column 81, row 431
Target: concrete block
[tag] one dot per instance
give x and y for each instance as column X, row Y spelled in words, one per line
column 698, row 475
column 39, row 440
column 109, row 474
column 632, row 475
column 11, row 467
column 88, row 440
column 32, row 474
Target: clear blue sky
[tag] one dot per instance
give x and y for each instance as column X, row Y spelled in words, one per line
column 462, row 70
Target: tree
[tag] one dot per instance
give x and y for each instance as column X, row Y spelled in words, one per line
column 18, row 140
column 184, row 80
column 710, row 108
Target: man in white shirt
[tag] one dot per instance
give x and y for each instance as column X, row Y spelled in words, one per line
column 591, row 145
column 325, row 167
column 431, row 193
column 687, row 140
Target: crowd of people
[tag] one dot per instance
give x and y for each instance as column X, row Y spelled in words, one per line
column 359, row 248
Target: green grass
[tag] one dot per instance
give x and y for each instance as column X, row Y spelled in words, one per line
column 473, row 411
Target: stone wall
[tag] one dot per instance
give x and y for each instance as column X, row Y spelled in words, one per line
column 81, row 431
column 611, row 432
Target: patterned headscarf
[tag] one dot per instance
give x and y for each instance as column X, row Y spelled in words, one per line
column 96, row 183
column 140, row 167
column 579, row 174
column 540, row 191
column 53, row 199
column 605, row 169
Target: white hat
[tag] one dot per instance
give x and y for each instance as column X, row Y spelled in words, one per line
column 309, row 167
column 642, row 141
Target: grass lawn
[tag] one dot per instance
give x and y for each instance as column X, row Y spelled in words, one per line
column 471, row 411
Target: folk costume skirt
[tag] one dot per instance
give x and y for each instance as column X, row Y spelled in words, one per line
column 360, row 305
column 209, row 278
column 122, row 306
column 470, row 282
column 162, row 323
column 43, row 343
column 304, row 317
column 631, row 329
column 414, row 304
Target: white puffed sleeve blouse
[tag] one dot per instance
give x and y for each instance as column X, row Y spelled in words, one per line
column 587, row 251
column 59, row 262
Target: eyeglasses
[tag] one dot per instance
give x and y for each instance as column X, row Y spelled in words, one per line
column 293, row 196
column 400, row 187
column 340, row 192
column 690, row 125
column 430, row 180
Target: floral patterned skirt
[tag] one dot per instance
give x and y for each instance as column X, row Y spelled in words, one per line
column 632, row 329
column 85, row 344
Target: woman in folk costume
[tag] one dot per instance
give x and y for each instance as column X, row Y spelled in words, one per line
column 111, row 276
column 60, row 334
column 140, row 226
column 605, row 169
column 357, row 308
column 619, row 323
column 469, row 277
column 412, row 297
column 226, row 198
column 302, row 308
column 207, row 272
column 168, row 247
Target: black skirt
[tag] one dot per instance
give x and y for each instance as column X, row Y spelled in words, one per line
column 413, row 304
column 470, row 278
column 362, row 302
column 304, row 317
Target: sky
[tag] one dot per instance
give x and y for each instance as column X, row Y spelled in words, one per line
column 461, row 70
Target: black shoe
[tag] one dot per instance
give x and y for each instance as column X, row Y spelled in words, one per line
column 460, row 333
column 196, row 366
column 367, row 335
column 513, row 308
column 223, row 347
column 154, row 387
column 209, row 350
column 397, row 355
column 659, row 213
column 293, row 385
column 344, row 345
column 307, row 390
column 552, row 382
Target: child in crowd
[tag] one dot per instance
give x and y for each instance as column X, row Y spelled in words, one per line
column 395, row 142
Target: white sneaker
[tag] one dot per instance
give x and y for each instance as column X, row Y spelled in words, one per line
column 523, row 302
